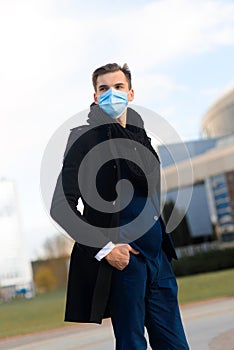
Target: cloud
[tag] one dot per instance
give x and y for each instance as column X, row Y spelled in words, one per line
column 49, row 52
column 217, row 92
column 153, row 89
column 167, row 30
column 39, row 45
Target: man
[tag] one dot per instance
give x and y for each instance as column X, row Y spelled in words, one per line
column 120, row 265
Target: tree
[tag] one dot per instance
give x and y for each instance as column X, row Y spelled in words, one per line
column 44, row 279
column 57, row 246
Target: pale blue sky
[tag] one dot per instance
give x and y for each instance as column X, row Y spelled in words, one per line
column 181, row 54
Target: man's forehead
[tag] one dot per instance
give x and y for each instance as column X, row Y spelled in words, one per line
column 112, row 78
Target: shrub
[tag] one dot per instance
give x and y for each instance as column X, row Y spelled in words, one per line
column 213, row 260
column 44, row 279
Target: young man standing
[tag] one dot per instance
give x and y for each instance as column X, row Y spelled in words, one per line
column 121, row 261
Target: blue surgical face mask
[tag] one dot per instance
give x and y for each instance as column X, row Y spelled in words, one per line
column 113, row 102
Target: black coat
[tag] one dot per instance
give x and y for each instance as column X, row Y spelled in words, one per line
column 89, row 280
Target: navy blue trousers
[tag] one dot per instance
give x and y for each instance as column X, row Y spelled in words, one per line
column 144, row 295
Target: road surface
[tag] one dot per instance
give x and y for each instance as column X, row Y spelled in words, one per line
column 209, row 326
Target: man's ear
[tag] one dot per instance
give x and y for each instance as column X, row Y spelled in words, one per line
column 95, row 98
column 131, row 95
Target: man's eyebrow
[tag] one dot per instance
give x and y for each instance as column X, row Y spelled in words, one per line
column 107, row 86
column 103, row 86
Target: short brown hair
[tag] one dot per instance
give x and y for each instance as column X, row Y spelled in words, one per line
column 109, row 68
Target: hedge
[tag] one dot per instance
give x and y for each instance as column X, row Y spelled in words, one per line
column 213, row 260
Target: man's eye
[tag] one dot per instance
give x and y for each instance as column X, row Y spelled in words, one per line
column 102, row 88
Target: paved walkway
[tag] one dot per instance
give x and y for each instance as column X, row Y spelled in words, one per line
column 224, row 341
column 209, row 326
column 206, row 323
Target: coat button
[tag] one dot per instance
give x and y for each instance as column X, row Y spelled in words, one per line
column 114, row 166
column 113, row 203
column 155, row 217
column 134, row 148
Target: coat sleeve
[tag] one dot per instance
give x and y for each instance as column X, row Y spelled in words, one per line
column 65, row 199
column 167, row 242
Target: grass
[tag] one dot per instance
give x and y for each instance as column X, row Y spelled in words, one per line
column 29, row 315
column 206, row 286
column 47, row 310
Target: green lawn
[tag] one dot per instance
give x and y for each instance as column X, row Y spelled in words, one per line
column 47, row 310
column 206, row 286
column 30, row 315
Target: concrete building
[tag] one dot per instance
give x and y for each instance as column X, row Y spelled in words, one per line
column 219, row 119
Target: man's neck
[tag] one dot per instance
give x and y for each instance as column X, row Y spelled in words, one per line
column 122, row 119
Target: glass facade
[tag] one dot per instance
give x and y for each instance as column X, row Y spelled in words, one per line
column 222, row 203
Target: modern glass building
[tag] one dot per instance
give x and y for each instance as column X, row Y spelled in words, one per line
column 211, row 159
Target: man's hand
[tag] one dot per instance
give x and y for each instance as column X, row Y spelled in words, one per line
column 120, row 255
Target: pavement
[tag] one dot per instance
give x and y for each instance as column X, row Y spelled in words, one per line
column 209, row 325
column 223, row 341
